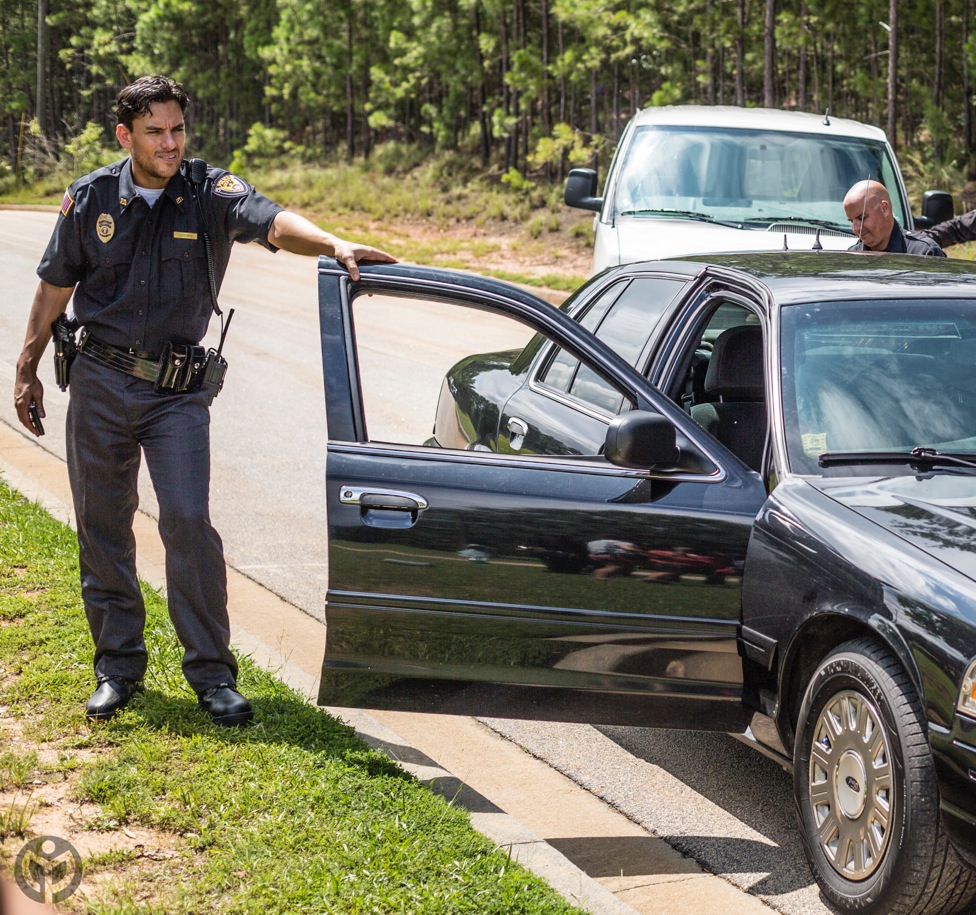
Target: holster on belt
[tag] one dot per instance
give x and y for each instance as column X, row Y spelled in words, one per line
column 65, row 348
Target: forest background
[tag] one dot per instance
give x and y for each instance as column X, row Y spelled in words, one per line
column 513, row 92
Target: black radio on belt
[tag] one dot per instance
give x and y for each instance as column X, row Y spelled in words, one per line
column 214, row 369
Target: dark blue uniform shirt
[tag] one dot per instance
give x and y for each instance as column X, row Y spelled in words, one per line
column 902, row 242
column 140, row 272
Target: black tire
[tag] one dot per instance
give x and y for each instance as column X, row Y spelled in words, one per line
column 866, row 791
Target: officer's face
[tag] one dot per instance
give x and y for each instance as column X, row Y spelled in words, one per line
column 871, row 220
column 155, row 143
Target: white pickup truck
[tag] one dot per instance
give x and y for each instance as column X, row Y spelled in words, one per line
column 691, row 179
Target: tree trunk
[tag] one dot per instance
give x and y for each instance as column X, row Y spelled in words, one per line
column 892, row 124
column 350, row 94
column 39, row 101
column 562, row 74
column 594, row 121
column 966, row 91
column 740, row 55
column 546, row 86
column 769, row 55
column 505, row 91
column 617, row 90
column 801, row 75
column 483, row 121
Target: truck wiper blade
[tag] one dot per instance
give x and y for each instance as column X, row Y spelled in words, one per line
column 917, row 457
column 686, row 214
column 683, row 214
column 823, row 223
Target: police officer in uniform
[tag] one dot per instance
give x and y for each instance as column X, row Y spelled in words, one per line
column 868, row 207
column 143, row 245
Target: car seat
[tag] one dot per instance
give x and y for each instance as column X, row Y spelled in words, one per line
column 735, row 378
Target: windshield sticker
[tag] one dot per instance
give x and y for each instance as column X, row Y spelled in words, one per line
column 814, row 443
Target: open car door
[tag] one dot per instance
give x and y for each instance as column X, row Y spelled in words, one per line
column 482, row 567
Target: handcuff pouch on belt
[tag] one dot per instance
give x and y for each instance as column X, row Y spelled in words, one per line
column 65, row 348
column 183, row 367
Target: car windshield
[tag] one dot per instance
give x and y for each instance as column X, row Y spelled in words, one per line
column 880, row 377
column 756, row 177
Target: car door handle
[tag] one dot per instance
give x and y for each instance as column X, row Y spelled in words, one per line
column 389, row 499
column 391, row 509
column 517, row 430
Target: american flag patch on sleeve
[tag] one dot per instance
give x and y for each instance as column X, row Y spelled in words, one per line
column 66, row 204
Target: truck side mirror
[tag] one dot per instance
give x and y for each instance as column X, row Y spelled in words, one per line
column 581, row 190
column 936, row 208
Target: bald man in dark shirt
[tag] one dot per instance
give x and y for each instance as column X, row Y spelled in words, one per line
column 868, row 207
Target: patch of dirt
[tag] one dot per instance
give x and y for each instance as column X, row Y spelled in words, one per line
column 49, row 804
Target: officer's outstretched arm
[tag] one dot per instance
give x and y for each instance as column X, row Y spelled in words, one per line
column 296, row 234
column 49, row 302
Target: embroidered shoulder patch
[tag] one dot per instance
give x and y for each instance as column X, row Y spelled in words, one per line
column 66, row 204
column 230, row 186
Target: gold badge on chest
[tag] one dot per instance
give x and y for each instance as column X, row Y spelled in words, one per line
column 105, row 227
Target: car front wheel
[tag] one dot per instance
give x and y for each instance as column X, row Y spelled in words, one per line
column 866, row 790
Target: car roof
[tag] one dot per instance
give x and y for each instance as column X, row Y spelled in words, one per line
column 757, row 119
column 818, row 276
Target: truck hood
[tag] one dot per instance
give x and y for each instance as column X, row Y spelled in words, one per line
column 643, row 238
column 935, row 513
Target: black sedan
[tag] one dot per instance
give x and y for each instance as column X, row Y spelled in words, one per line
column 734, row 493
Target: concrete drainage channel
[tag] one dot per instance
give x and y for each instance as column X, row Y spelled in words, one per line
column 588, row 851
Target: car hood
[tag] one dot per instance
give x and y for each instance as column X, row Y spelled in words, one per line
column 641, row 238
column 935, row 513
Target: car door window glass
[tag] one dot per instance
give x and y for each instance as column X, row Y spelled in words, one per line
column 720, row 381
column 441, row 375
column 562, row 367
column 689, row 388
column 623, row 318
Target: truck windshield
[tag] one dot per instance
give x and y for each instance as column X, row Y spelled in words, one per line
column 750, row 176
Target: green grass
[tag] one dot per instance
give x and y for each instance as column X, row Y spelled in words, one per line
column 292, row 815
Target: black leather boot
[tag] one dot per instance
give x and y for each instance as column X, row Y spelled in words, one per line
column 226, row 705
column 113, row 693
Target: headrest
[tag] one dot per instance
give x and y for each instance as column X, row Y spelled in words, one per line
column 735, row 369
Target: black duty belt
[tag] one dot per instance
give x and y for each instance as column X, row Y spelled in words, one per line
column 133, row 362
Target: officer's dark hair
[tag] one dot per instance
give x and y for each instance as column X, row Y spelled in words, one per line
column 137, row 99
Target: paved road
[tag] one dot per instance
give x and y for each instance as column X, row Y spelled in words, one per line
column 711, row 797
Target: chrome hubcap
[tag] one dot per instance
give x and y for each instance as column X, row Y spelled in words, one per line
column 851, row 785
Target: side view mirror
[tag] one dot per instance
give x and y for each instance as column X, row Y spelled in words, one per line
column 641, row 440
column 936, row 208
column 580, row 190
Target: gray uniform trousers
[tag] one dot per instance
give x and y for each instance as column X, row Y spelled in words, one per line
column 111, row 416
